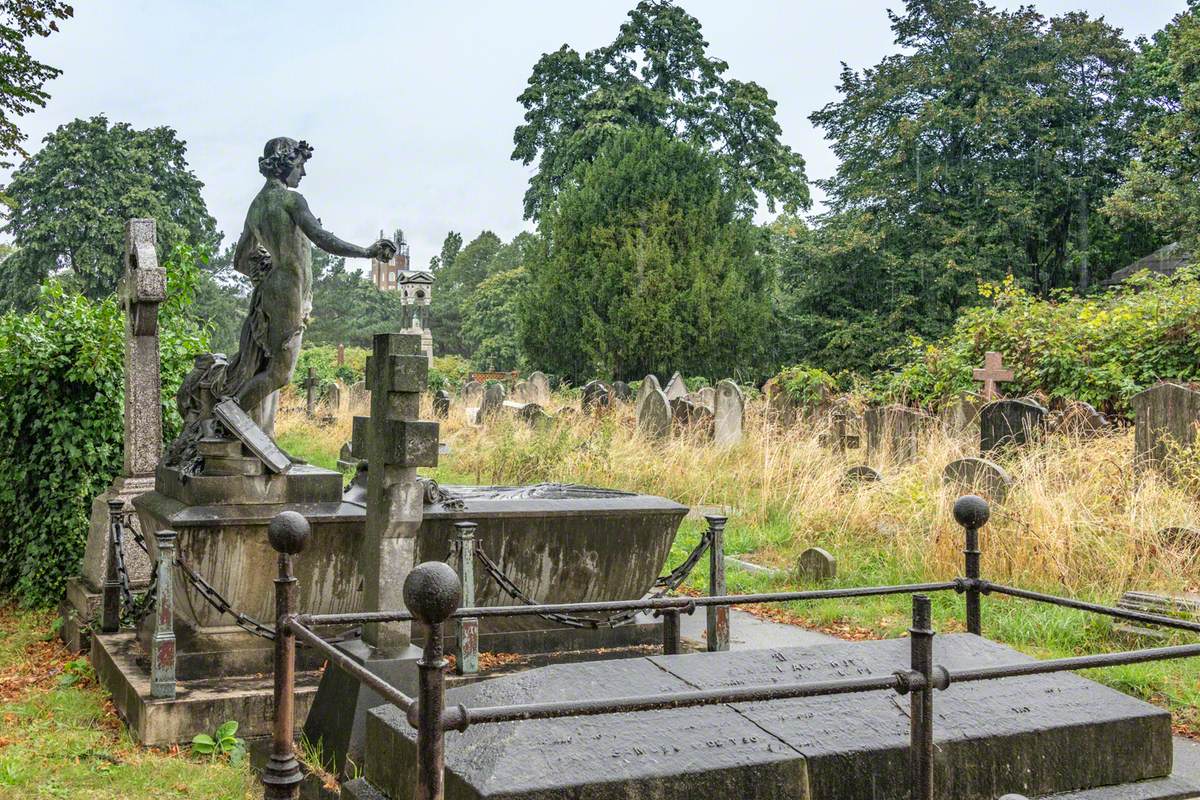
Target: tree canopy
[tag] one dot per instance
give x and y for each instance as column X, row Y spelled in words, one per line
column 656, row 73
column 72, row 198
column 23, row 78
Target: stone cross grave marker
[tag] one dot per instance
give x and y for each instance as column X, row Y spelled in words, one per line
column 654, row 412
column 1009, row 422
column 397, row 442
column 816, row 564
column 676, row 388
column 1166, row 417
column 992, row 374
column 540, row 386
column 310, row 388
column 729, row 410
column 892, row 432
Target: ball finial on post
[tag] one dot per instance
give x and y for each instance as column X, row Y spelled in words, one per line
column 971, row 511
column 289, row 532
column 432, row 592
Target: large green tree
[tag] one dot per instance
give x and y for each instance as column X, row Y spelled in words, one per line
column 656, row 73
column 647, row 264
column 72, row 198
column 22, row 77
column 490, row 320
column 454, row 282
column 347, row 308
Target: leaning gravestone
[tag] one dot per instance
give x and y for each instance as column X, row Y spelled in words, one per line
column 979, row 476
column 333, row 398
column 650, row 382
column 539, row 388
column 816, row 564
column 704, row 396
column 521, row 392
column 691, row 416
column 892, row 433
column 729, row 414
column 1080, row 419
column 1165, row 419
column 654, row 412
column 1009, row 422
column 676, row 388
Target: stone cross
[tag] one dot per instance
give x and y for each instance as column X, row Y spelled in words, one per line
column 397, row 442
column 310, row 384
column 144, row 288
column 341, row 357
column 993, row 373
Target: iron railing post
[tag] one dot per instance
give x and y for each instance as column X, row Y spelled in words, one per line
column 162, row 661
column 672, row 638
column 921, row 716
column 718, row 616
column 466, row 655
column 110, row 614
column 432, row 592
column 289, row 533
column 972, row 512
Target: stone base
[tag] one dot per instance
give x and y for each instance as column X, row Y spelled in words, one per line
column 80, row 612
column 200, row 706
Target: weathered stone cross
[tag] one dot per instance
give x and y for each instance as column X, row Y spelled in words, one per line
column 992, row 374
column 310, row 384
column 144, row 288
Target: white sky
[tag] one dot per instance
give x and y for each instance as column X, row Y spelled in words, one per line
column 411, row 106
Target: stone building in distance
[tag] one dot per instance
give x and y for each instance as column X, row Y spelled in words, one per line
column 415, row 287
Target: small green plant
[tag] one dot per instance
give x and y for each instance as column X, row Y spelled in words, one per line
column 75, row 671
column 224, row 743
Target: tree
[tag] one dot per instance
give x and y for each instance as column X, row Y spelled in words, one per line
column 72, row 198
column 347, row 308
column 646, row 264
column 451, row 245
column 23, row 78
column 656, row 73
column 1159, row 184
column 454, row 283
column 490, row 320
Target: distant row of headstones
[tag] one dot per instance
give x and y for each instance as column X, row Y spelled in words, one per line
column 718, row 412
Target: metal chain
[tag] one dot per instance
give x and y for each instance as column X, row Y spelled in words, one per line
column 218, row 601
column 666, row 583
column 117, row 526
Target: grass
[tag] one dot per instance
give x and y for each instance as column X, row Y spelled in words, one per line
column 59, row 736
column 1079, row 521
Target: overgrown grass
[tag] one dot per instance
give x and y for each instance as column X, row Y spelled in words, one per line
column 1079, row 521
column 59, row 736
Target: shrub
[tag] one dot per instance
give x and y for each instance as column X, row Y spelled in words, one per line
column 61, row 423
column 323, row 359
column 448, row 372
column 809, row 386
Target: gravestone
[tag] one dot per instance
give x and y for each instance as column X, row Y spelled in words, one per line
column 539, row 386
column 346, row 458
column 861, row 474
column 961, row 414
column 441, row 404
column 521, row 393
column 472, row 395
column 621, row 391
column 360, row 396
column 333, row 398
column 676, row 388
column 143, row 288
column 650, row 382
column 654, row 412
column 341, row 355
column 1165, row 420
column 1037, row 734
column 493, row 400
column 531, row 414
column 816, row 564
column 595, row 397
column 992, row 375
column 729, row 413
column 782, row 407
column 311, row 384
column 892, row 433
column 691, row 416
column 841, row 435
column 704, row 396
column 1079, row 419
column 979, row 476
column 1009, row 423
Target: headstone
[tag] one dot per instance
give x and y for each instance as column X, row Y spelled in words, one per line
column 311, row 384
column 648, row 383
column 729, row 414
column 861, row 474
column 962, row 413
column 1166, row 417
column 472, row 395
column 1009, row 422
column 143, row 288
column 346, row 458
column 493, row 400
column 892, row 433
column 621, row 391
column 521, row 393
column 992, row 375
column 333, row 398
column 841, row 435
column 654, row 412
column 816, row 564
column 978, row 476
column 1037, row 734
column 704, row 396
column 676, row 388
column 595, row 397
column 539, row 386
column 1079, row 419
column 691, row 416
column 782, row 408
column 360, row 396
column 441, row 404
column 531, row 414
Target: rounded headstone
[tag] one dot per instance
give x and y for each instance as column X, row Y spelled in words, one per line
column 971, row 511
column 289, row 532
column 979, row 475
column 862, row 474
column 432, row 592
column 817, row 564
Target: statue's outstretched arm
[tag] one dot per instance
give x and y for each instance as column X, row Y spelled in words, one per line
column 323, row 238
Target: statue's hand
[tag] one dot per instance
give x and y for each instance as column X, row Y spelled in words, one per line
column 384, row 250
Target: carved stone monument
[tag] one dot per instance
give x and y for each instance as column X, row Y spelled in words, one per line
column 729, row 411
column 143, row 288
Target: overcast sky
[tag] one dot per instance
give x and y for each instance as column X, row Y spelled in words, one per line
column 411, row 106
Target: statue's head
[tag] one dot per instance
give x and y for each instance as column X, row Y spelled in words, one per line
column 284, row 158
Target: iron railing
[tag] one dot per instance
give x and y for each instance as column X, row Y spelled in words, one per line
column 429, row 585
